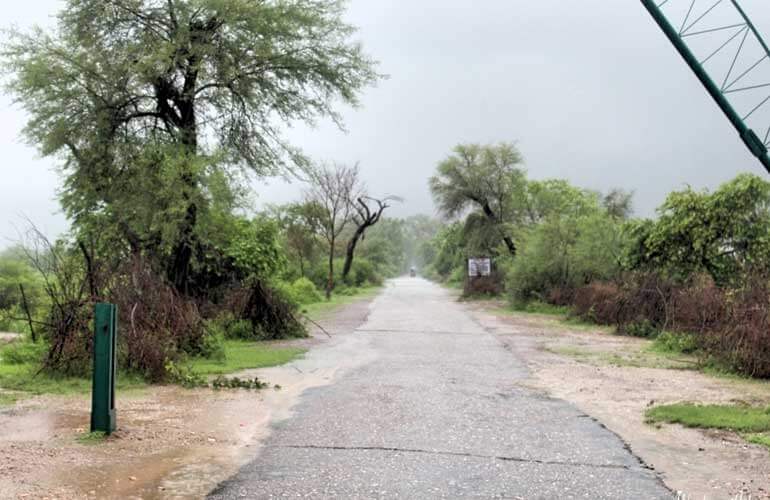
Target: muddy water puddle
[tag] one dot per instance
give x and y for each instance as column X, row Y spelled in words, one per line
column 170, row 442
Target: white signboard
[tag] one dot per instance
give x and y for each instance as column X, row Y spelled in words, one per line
column 479, row 267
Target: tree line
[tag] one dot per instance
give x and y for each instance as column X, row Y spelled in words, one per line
column 698, row 271
column 159, row 113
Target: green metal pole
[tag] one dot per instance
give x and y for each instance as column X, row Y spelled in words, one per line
column 103, row 415
column 750, row 138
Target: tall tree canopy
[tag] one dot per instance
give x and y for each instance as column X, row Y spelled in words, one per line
column 488, row 178
column 145, row 99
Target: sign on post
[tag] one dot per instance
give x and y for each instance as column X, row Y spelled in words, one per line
column 105, row 368
column 479, row 267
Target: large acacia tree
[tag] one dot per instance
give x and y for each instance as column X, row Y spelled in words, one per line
column 488, row 178
column 145, row 100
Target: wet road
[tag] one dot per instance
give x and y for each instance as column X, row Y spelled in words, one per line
column 437, row 412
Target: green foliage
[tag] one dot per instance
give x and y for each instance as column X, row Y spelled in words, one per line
column 676, row 343
column 244, row 355
column 222, row 382
column 644, row 329
column 184, row 375
column 488, row 179
column 363, row 273
column 15, row 270
column 239, row 329
column 158, row 109
column 255, row 247
column 725, row 233
column 91, row 438
column 577, row 242
column 21, row 353
column 728, row 417
column 304, row 292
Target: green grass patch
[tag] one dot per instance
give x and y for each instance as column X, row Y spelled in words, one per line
column 559, row 316
column 744, row 419
column 8, row 399
column 20, row 371
column 91, row 438
column 319, row 309
column 244, row 355
column 537, row 307
column 762, row 439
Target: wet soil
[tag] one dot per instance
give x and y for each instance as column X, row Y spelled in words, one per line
column 171, row 442
column 614, row 379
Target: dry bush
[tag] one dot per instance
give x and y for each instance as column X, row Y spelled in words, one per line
column 157, row 325
column 742, row 340
column 271, row 315
column 731, row 327
column 699, row 307
column 484, row 285
column 561, row 296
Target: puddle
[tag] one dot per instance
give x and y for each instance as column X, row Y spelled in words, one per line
column 171, row 442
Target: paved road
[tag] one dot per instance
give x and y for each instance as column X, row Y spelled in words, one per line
column 438, row 412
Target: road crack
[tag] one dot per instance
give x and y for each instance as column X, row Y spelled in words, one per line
column 536, row 461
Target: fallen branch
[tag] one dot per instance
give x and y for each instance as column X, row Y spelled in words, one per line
column 25, row 304
column 317, row 325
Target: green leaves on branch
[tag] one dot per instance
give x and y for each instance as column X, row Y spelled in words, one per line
column 725, row 234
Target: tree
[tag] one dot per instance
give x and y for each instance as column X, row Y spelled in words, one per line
column 143, row 99
column 725, row 233
column 364, row 217
column 332, row 188
column 488, row 178
column 301, row 225
column 618, row 203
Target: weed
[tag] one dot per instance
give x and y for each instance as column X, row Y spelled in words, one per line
column 91, row 438
column 739, row 418
column 222, row 382
column 675, row 343
column 242, row 355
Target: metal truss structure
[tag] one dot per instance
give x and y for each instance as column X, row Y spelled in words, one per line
column 726, row 52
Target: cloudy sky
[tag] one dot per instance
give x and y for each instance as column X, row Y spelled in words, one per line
column 591, row 91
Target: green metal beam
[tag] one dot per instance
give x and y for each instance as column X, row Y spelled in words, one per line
column 756, row 145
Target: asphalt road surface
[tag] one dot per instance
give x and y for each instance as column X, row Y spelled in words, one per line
column 437, row 410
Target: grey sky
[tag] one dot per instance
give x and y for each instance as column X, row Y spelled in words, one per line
column 591, row 91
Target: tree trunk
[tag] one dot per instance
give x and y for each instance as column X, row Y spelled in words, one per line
column 350, row 253
column 510, row 244
column 330, row 281
column 506, row 239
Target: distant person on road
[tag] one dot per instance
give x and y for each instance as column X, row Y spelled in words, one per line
column 412, row 272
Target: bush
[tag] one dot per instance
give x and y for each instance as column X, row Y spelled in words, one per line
column 305, row 292
column 240, row 329
column 363, row 273
column 643, row 329
column 20, row 353
column 678, row 343
column 269, row 313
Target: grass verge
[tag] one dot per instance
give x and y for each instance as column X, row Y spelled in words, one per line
column 91, row 438
column 750, row 422
column 244, row 355
column 24, row 376
column 314, row 311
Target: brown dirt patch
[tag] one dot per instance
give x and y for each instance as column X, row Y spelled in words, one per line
column 615, row 379
column 171, row 442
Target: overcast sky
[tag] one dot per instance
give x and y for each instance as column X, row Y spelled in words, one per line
column 591, row 91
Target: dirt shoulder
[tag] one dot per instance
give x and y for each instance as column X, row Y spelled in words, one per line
column 171, row 442
column 615, row 379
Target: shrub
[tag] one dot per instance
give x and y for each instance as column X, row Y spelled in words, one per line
column 679, row 343
column 363, row 273
column 643, row 328
column 20, row 353
column 305, row 292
